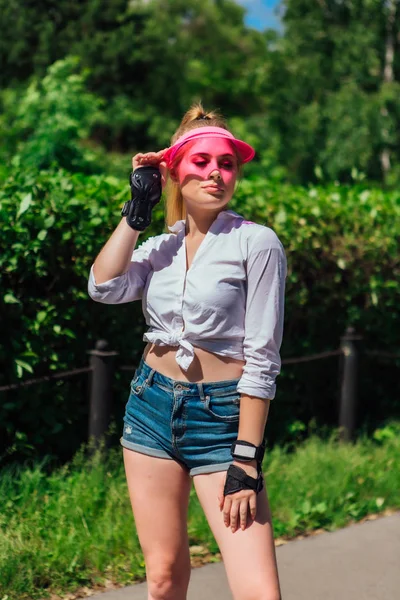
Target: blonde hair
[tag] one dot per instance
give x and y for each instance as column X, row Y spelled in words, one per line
column 195, row 117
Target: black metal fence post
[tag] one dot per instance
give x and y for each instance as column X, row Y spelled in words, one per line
column 350, row 347
column 101, row 384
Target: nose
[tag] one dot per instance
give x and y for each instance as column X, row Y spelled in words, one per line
column 216, row 175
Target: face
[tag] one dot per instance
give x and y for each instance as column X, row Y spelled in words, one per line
column 207, row 173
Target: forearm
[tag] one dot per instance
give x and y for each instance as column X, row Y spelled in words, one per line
column 115, row 256
column 253, row 418
column 252, row 422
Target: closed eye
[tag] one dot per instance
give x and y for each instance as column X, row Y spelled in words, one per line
column 225, row 164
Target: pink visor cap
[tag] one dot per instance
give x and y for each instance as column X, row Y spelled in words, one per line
column 246, row 152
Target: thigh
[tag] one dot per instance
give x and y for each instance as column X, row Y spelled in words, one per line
column 249, row 555
column 159, row 493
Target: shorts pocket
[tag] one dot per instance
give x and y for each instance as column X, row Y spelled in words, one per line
column 224, row 407
column 138, row 385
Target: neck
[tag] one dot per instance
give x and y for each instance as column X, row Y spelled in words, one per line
column 198, row 224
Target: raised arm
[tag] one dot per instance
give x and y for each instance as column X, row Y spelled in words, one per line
column 119, row 272
column 116, row 255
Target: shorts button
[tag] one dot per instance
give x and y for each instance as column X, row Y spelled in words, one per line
column 178, row 387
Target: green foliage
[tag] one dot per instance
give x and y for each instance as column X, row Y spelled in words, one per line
column 329, row 483
column 94, row 539
column 46, row 124
column 148, row 59
column 333, row 236
column 331, row 84
column 319, row 485
column 55, row 223
column 320, row 101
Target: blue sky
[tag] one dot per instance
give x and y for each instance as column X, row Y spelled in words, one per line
column 261, row 13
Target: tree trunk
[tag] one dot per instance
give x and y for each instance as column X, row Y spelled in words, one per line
column 391, row 7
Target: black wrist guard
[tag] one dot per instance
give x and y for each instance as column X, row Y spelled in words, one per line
column 246, row 452
column 145, row 194
column 237, row 479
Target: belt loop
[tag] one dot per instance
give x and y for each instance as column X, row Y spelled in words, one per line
column 201, row 391
column 150, row 377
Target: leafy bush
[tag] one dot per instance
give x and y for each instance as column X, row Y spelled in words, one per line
column 53, row 225
column 342, row 245
column 44, row 125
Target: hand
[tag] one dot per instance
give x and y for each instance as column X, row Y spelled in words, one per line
column 154, row 159
column 235, row 507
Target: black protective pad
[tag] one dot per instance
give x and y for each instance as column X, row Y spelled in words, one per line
column 145, row 194
column 237, row 479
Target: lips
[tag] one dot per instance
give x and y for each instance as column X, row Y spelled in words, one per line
column 213, row 188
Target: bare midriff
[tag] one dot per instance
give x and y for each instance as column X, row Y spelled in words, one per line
column 206, row 366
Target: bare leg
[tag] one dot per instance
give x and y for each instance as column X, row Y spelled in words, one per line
column 159, row 492
column 249, row 555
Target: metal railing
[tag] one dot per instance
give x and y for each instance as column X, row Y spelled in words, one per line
column 102, row 370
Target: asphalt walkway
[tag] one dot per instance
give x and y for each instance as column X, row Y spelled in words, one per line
column 360, row 562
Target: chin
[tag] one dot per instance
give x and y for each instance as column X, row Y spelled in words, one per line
column 219, row 197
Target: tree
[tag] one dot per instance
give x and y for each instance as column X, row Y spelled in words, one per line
column 148, row 59
column 335, row 107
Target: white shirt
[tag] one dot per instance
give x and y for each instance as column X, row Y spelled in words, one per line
column 230, row 302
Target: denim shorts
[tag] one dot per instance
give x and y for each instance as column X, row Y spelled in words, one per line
column 192, row 423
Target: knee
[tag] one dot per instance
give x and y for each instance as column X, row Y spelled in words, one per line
column 165, row 581
column 160, row 585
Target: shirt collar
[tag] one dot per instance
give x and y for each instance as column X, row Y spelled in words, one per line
column 180, row 225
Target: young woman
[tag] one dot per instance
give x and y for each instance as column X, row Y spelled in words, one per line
column 212, row 292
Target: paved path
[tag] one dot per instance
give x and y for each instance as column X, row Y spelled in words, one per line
column 360, row 562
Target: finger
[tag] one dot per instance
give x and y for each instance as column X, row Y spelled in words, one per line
column 227, row 511
column 146, row 158
column 150, row 156
column 234, row 514
column 135, row 160
column 156, row 156
column 164, row 174
column 253, row 506
column 243, row 512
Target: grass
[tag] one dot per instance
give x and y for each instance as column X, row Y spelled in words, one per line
column 74, row 527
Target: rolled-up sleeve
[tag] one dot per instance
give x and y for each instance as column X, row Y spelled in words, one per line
column 128, row 286
column 266, row 278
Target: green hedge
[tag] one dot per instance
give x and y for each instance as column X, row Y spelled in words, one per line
column 342, row 245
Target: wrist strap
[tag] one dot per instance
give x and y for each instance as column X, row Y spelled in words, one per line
column 246, row 451
column 237, row 479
